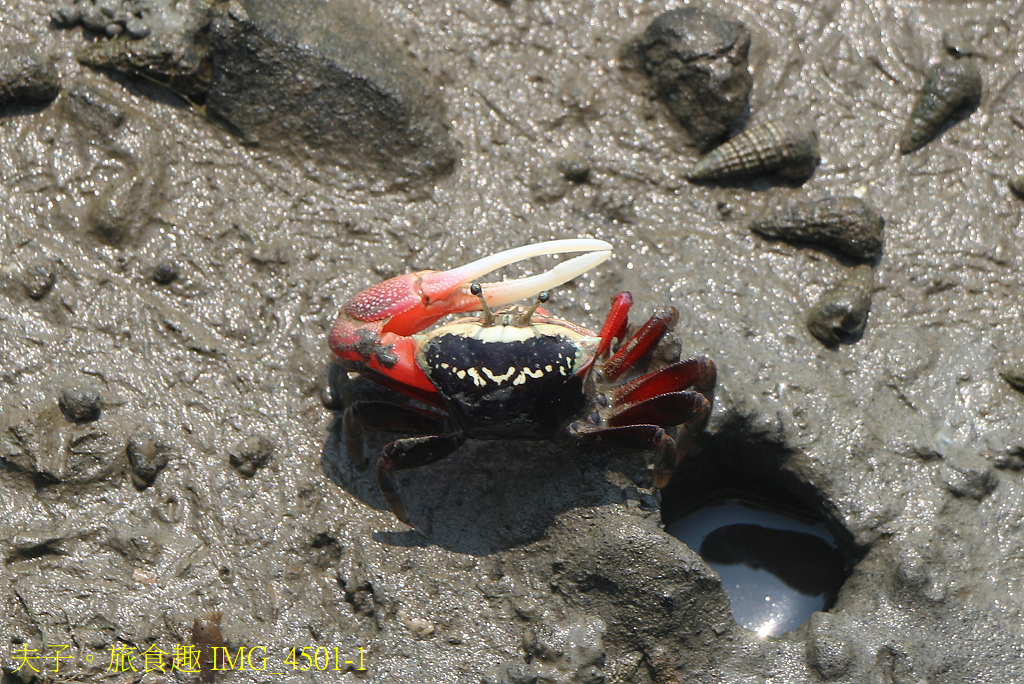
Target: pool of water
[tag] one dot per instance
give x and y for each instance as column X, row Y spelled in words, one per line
column 776, row 568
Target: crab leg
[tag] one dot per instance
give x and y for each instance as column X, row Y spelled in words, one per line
column 698, row 373
column 385, row 416
column 411, row 452
column 665, row 410
column 643, row 340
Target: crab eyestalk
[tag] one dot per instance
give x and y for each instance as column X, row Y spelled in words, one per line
column 478, row 291
column 542, row 297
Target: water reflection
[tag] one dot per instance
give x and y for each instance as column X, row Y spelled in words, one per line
column 777, row 569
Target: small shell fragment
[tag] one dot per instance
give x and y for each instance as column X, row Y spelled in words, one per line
column 840, row 316
column 847, row 224
column 953, row 86
column 770, row 147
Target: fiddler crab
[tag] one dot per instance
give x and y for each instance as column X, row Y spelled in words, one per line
column 513, row 372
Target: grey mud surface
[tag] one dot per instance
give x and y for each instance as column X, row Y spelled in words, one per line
column 547, row 564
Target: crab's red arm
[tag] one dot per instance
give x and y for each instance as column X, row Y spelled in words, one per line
column 374, row 328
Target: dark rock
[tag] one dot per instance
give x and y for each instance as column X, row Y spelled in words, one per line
column 80, row 404
column 840, row 316
column 28, row 75
column 147, row 457
column 325, row 75
column 251, row 454
column 165, row 273
column 39, row 278
column 697, row 64
column 847, row 224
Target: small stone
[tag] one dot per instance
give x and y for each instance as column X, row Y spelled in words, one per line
column 842, row 314
column 147, row 457
column 251, row 454
column 38, row 279
column 165, row 273
column 80, row 404
column 27, row 76
column 697, row 64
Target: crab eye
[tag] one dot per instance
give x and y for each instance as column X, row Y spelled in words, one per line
column 543, row 296
column 475, row 289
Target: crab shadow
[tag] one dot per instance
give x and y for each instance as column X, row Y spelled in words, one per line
column 488, row 496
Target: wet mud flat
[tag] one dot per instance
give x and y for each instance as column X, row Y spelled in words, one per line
column 190, row 190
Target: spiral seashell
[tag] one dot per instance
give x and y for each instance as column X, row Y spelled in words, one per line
column 953, row 86
column 846, row 224
column 770, row 147
column 842, row 313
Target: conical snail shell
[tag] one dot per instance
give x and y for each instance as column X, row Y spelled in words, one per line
column 770, row 147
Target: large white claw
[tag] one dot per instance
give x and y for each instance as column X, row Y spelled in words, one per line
column 508, row 291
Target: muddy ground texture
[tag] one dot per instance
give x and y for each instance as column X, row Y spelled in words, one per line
column 178, row 229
